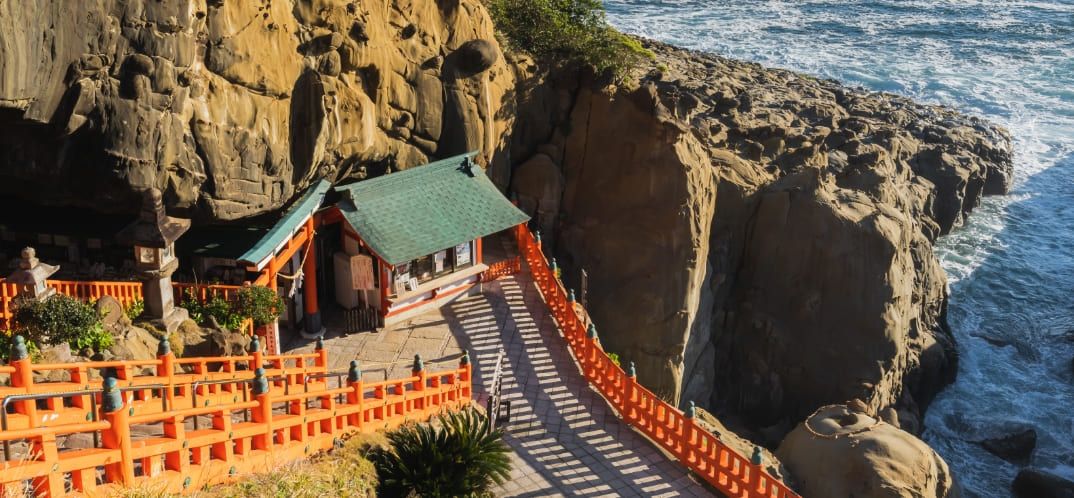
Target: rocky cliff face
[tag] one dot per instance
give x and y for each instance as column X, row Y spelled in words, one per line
column 761, row 241
column 231, row 108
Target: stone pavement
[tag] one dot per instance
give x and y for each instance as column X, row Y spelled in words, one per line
column 566, row 440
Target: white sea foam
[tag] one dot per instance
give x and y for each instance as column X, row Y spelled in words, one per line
column 1011, row 268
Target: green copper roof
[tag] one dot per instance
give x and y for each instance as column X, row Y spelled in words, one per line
column 422, row 210
column 288, row 225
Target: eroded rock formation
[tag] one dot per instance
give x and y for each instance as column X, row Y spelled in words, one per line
column 841, row 452
column 761, row 241
column 231, row 108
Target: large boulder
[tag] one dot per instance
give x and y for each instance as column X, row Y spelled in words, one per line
column 113, row 315
column 1034, row 483
column 1015, row 445
column 134, row 343
column 211, row 341
column 839, row 452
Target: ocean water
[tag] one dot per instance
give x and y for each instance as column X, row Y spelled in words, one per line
column 1011, row 267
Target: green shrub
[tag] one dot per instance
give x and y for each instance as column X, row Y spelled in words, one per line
column 61, row 319
column 462, row 455
column 575, row 30
column 135, row 309
column 217, row 307
column 261, row 304
column 615, row 358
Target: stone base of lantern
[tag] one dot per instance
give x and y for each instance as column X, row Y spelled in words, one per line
column 171, row 321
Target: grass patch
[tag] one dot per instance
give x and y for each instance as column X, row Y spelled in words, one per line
column 568, row 30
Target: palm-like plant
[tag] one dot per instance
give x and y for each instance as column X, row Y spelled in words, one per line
column 462, row 455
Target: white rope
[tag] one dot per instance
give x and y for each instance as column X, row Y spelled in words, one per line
column 298, row 274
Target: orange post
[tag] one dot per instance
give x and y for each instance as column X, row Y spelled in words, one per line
column 23, row 378
column 355, row 395
column 50, row 484
column 309, row 272
column 465, row 372
column 118, row 435
column 166, row 370
column 262, row 414
column 419, row 385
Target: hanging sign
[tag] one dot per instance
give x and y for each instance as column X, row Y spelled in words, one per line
column 362, row 272
column 462, row 254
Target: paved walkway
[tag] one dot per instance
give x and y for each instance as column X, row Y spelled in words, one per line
column 566, row 440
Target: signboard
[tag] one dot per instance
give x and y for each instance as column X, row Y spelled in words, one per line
column 362, row 272
column 462, row 254
column 438, row 261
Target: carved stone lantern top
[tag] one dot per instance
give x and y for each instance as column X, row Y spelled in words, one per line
column 154, row 228
column 31, row 270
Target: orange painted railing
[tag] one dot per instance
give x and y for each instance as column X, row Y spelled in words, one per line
column 287, row 408
column 127, row 293
column 204, row 292
column 676, row 432
column 503, row 268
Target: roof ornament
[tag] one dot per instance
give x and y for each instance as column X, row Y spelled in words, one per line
column 468, row 166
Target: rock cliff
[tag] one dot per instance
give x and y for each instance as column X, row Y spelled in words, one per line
column 760, row 241
column 231, row 108
column 757, row 240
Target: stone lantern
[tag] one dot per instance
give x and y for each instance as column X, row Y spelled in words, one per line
column 153, row 236
column 31, row 277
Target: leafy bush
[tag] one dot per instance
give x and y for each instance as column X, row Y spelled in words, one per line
column 572, row 29
column 217, row 307
column 261, row 304
column 615, row 358
column 135, row 309
column 462, row 455
column 61, row 319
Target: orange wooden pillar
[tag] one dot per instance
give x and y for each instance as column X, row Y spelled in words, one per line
column 309, row 272
column 118, row 435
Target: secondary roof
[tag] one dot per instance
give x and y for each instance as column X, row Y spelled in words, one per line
column 422, row 210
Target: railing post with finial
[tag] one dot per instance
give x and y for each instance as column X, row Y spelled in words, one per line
column 355, row 395
column 627, row 408
column 118, row 434
column 166, row 369
column 689, row 430
column 418, row 371
column 23, row 378
column 465, row 369
column 322, row 354
column 262, row 413
column 756, row 462
column 256, row 358
column 592, row 349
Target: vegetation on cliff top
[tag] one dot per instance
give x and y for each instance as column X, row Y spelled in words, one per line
column 574, row 30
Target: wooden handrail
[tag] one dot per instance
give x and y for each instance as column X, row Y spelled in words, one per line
column 181, row 460
column 674, row 431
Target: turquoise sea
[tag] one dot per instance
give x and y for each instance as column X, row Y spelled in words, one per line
column 1011, row 268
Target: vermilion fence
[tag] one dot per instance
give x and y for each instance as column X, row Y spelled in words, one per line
column 503, row 268
column 198, row 421
column 675, row 431
column 127, row 293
